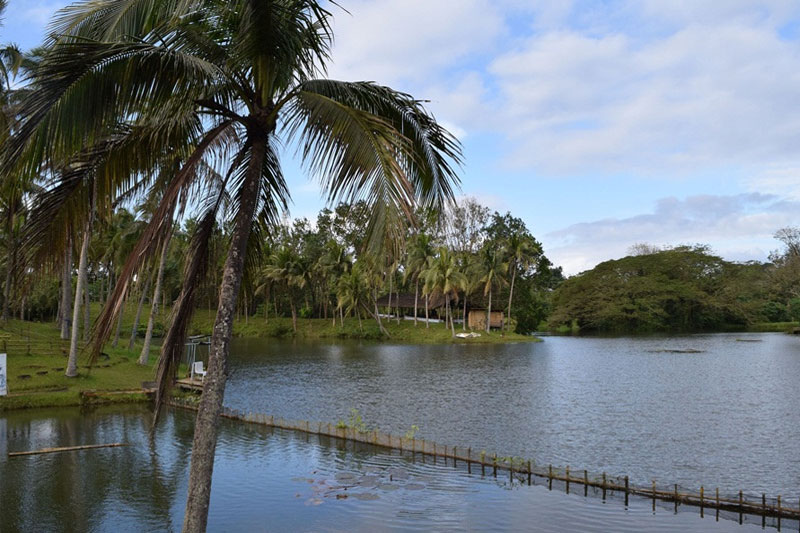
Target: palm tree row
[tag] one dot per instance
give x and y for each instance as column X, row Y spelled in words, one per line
column 187, row 103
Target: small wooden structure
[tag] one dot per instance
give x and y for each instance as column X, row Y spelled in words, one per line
column 190, row 384
column 477, row 319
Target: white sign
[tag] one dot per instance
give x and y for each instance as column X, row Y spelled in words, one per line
column 3, row 389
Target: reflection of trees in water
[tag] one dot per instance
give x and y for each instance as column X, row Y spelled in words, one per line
column 70, row 491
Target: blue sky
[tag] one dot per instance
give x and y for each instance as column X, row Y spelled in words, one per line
column 601, row 123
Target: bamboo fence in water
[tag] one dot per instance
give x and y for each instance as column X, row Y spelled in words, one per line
column 525, row 470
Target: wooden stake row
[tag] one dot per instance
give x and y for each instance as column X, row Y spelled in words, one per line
column 525, row 469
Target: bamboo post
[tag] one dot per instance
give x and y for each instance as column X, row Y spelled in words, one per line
column 740, row 507
column 494, row 462
column 455, row 454
column 763, row 510
column 654, row 495
column 567, row 478
column 469, row 460
column 626, row 491
column 67, row 449
column 483, row 463
column 529, row 472
column 604, row 486
column 413, row 446
column 701, row 501
column 585, row 483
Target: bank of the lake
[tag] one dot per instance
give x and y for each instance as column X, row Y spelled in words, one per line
column 319, row 329
column 37, row 356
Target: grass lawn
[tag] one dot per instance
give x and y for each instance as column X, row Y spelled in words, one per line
column 323, row 329
column 37, row 357
column 37, row 360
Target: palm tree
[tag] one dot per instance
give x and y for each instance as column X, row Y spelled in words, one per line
column 494, row 270
column 419, row 254
column 521, row 252
column 471, row 281
column 444, row 277
column 286, row 267
column 351, row 293
column 246, row 70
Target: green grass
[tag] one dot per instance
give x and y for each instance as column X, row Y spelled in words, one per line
column 37, row 359
column 782, row 327
column 323, row 329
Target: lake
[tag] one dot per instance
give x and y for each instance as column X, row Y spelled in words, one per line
column 279, row 481
column 726, row 416
column 717, row 410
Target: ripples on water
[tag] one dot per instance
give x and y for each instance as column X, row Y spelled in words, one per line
column 724, row 417
column 276, row 481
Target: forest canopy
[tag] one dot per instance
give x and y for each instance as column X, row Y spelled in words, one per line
column 686, row 288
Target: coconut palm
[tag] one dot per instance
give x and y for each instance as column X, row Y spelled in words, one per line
column 286, row 267
column 443, row 276
column 521, row 251
column 352, row 293
column 246, row 75
column 494, row 270
column 419, row 254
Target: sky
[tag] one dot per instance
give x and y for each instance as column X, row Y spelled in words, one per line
column 600, row 123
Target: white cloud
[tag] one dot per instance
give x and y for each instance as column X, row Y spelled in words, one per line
column 572, row 103
column 402, row 42
column 739, row 227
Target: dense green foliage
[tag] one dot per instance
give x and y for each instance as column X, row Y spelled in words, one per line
column 680, row 289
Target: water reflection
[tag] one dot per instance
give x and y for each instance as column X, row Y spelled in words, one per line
column 272, row 480
column 697, row 409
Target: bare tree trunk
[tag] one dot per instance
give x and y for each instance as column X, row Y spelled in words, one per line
column 464, row 321
column 205, row 433
column 72, row 363
column 390, row 294
column 489, row 311
column 148, row 336
column 66, row 291
column 294, row 314
column 452, row 324
column 119, row 323
column 9, row 260
column 135, row 328
column 511, row 294
column 86, row 319
column 427, row 321
column 416, row 299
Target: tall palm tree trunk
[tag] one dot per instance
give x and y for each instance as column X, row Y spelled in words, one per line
column 416, row 298
column 9, row 260
column 452, row 324
column 205, row 432
column 135, row 328
column 66, row 292
column 511, row 294
column 148, row 336
column 464, row 321
column 489, row 311
column 86, row 318
column 427, row 320
column 294, row 314
column 119, row 324
column 72, row 363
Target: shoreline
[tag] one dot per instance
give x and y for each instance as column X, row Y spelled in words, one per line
column 37, row 356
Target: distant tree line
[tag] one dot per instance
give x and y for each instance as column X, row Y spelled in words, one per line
column 300, row 269
column 684, row 288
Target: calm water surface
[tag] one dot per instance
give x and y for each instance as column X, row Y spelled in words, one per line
column 727, row 416
column 277, row 481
